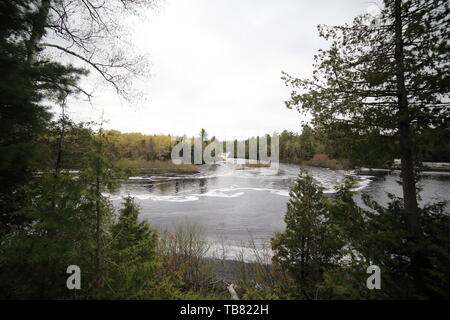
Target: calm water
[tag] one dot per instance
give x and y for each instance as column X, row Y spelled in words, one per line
column 235, row 206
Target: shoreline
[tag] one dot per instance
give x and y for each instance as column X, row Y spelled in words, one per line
column 427, row 167
column 192, row 169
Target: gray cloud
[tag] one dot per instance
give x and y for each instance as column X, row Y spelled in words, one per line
column 217, row 64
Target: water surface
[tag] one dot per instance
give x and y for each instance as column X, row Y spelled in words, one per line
column 236, row 205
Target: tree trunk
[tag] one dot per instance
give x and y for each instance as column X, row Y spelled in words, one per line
column 412, row 216
column 59, row 155
column 97, row 230
column 232, row 292
column 407, row 166
column 60, row 143
column 38, row 30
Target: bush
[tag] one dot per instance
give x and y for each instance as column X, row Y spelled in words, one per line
column 184, row 254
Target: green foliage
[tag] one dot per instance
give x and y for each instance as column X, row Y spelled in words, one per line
column 378, row 90
column 35, row 256
column 437, row 142
column 67, row 218
column 139, row 146
column 128, row 232
column 23, row 116
column 72, row 222
column 134, row 267
column 312, row 242
column 387, row 246
column 56, row 218
column 352, row 95
column 52, row 219
column 72, row 141
column 329, row 243
column 297, row 148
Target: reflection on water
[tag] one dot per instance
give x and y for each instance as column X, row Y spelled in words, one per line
column 235, row 205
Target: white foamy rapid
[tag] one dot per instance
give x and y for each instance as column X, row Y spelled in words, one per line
column 232, row 180
column 215, row 193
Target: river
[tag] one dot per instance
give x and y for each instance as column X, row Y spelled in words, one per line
column 236, row 205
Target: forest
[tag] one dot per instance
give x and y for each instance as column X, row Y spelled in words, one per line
column 367, row 109
column 308, row 147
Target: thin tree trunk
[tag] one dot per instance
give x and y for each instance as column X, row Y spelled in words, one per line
column 232, row 292
column 97, row 231
column 60, row 142
column 38, row 30
column 59, row 154
column 412, row 216
column 407, row 167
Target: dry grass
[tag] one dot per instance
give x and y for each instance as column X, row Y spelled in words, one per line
column 259, row 279
column 184, row 250
column 257, row 165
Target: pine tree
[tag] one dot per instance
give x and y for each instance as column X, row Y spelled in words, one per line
column 23, row 116
column 134, row 271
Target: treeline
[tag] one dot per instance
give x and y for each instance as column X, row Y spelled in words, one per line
column 342, row 149
column 310, row 147
column 126, row 150
column 140, row 146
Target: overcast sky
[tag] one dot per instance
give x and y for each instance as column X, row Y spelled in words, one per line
column 217, row 64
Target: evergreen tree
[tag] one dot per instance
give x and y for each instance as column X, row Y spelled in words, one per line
column 384, row 76
column 135, row 266
column 34, row 258
column 23, row 116
column 310, row 244
column 307, row 143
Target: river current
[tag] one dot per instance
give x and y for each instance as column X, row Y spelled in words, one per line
column 237, row 206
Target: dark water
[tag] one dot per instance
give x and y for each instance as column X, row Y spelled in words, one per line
column 235, row 206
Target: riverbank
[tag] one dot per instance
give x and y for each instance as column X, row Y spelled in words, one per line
column 427, row 166
column 323, row 161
